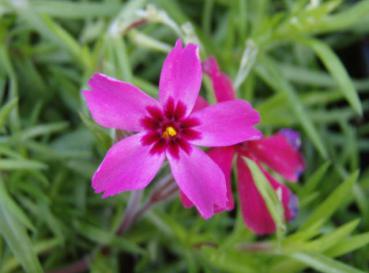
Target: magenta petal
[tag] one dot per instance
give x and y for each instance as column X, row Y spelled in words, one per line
column 226, row 123
column 181, row 76
column 200, row 104
column 116, row 104
column 223, row 157
column 222, row 85
column 279, row 154
column 200, row 179
column 127, row 166
column 185, row 201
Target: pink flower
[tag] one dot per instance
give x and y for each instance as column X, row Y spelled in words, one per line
column 168, row 128
column 280, row 152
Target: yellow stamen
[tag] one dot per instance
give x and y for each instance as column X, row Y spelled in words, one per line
column 169, row 132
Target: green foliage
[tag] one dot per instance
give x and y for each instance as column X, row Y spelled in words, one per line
column 269, row 195
column 283, row 58
column 15, row 233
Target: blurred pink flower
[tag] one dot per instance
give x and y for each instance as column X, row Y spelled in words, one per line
column 280, row 152
column 168, row 128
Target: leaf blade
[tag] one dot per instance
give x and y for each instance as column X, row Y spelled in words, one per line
column 16, row 237
column 338, row 72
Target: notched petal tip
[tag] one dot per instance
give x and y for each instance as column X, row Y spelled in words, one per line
column 181, row 75
column 97, row 79
column 210, row 66
column 178, row 44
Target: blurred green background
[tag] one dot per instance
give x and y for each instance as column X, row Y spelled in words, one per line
column 302, row 64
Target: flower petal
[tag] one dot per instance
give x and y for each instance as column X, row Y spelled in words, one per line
column 223, row 157
column 200, row 179
column 200, row 104
column 116, row 104
column 278, row 153
column 226, row 123
column 254, row 210
column 222, row 85
column 127, row 166
column 181, row 76
column 185, row 201
column 292, row 136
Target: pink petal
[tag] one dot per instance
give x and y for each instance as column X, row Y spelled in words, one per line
column 116, row 104
column 181, row 76
column 185, row 201
column 279, row 154
column 200, row 179
column 223, row 157
column 254, row 210
column 226, row 123
column 222, row 85
column 200, row 104
column 127, row 166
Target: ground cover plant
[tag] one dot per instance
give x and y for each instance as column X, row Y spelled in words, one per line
column 302, row 65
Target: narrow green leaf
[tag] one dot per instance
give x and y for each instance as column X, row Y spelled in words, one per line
column 43, row 129
column 75, row 10
column 330, row 240
column 338, row 72
column 347, row 18
column 315, row 178
column 7, row 66
column 269, row 195
column 16, row 237
column 107, row 238
column 52, row 31
column 14, row 209
column 145, row 41
column 20, row 164
column 349, row 245
column 11, row 263
column 102, row 136
column 323, row 263
column 318, row 78
column 6, row 109
column 247, row 62
column 94, row 233
column 332, row 203
column 269, row 72
column 230, row 261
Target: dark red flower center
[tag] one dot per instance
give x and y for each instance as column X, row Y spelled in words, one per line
column 169, row 128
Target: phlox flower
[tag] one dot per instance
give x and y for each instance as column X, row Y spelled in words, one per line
column 168, row 128
column 279, row 152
